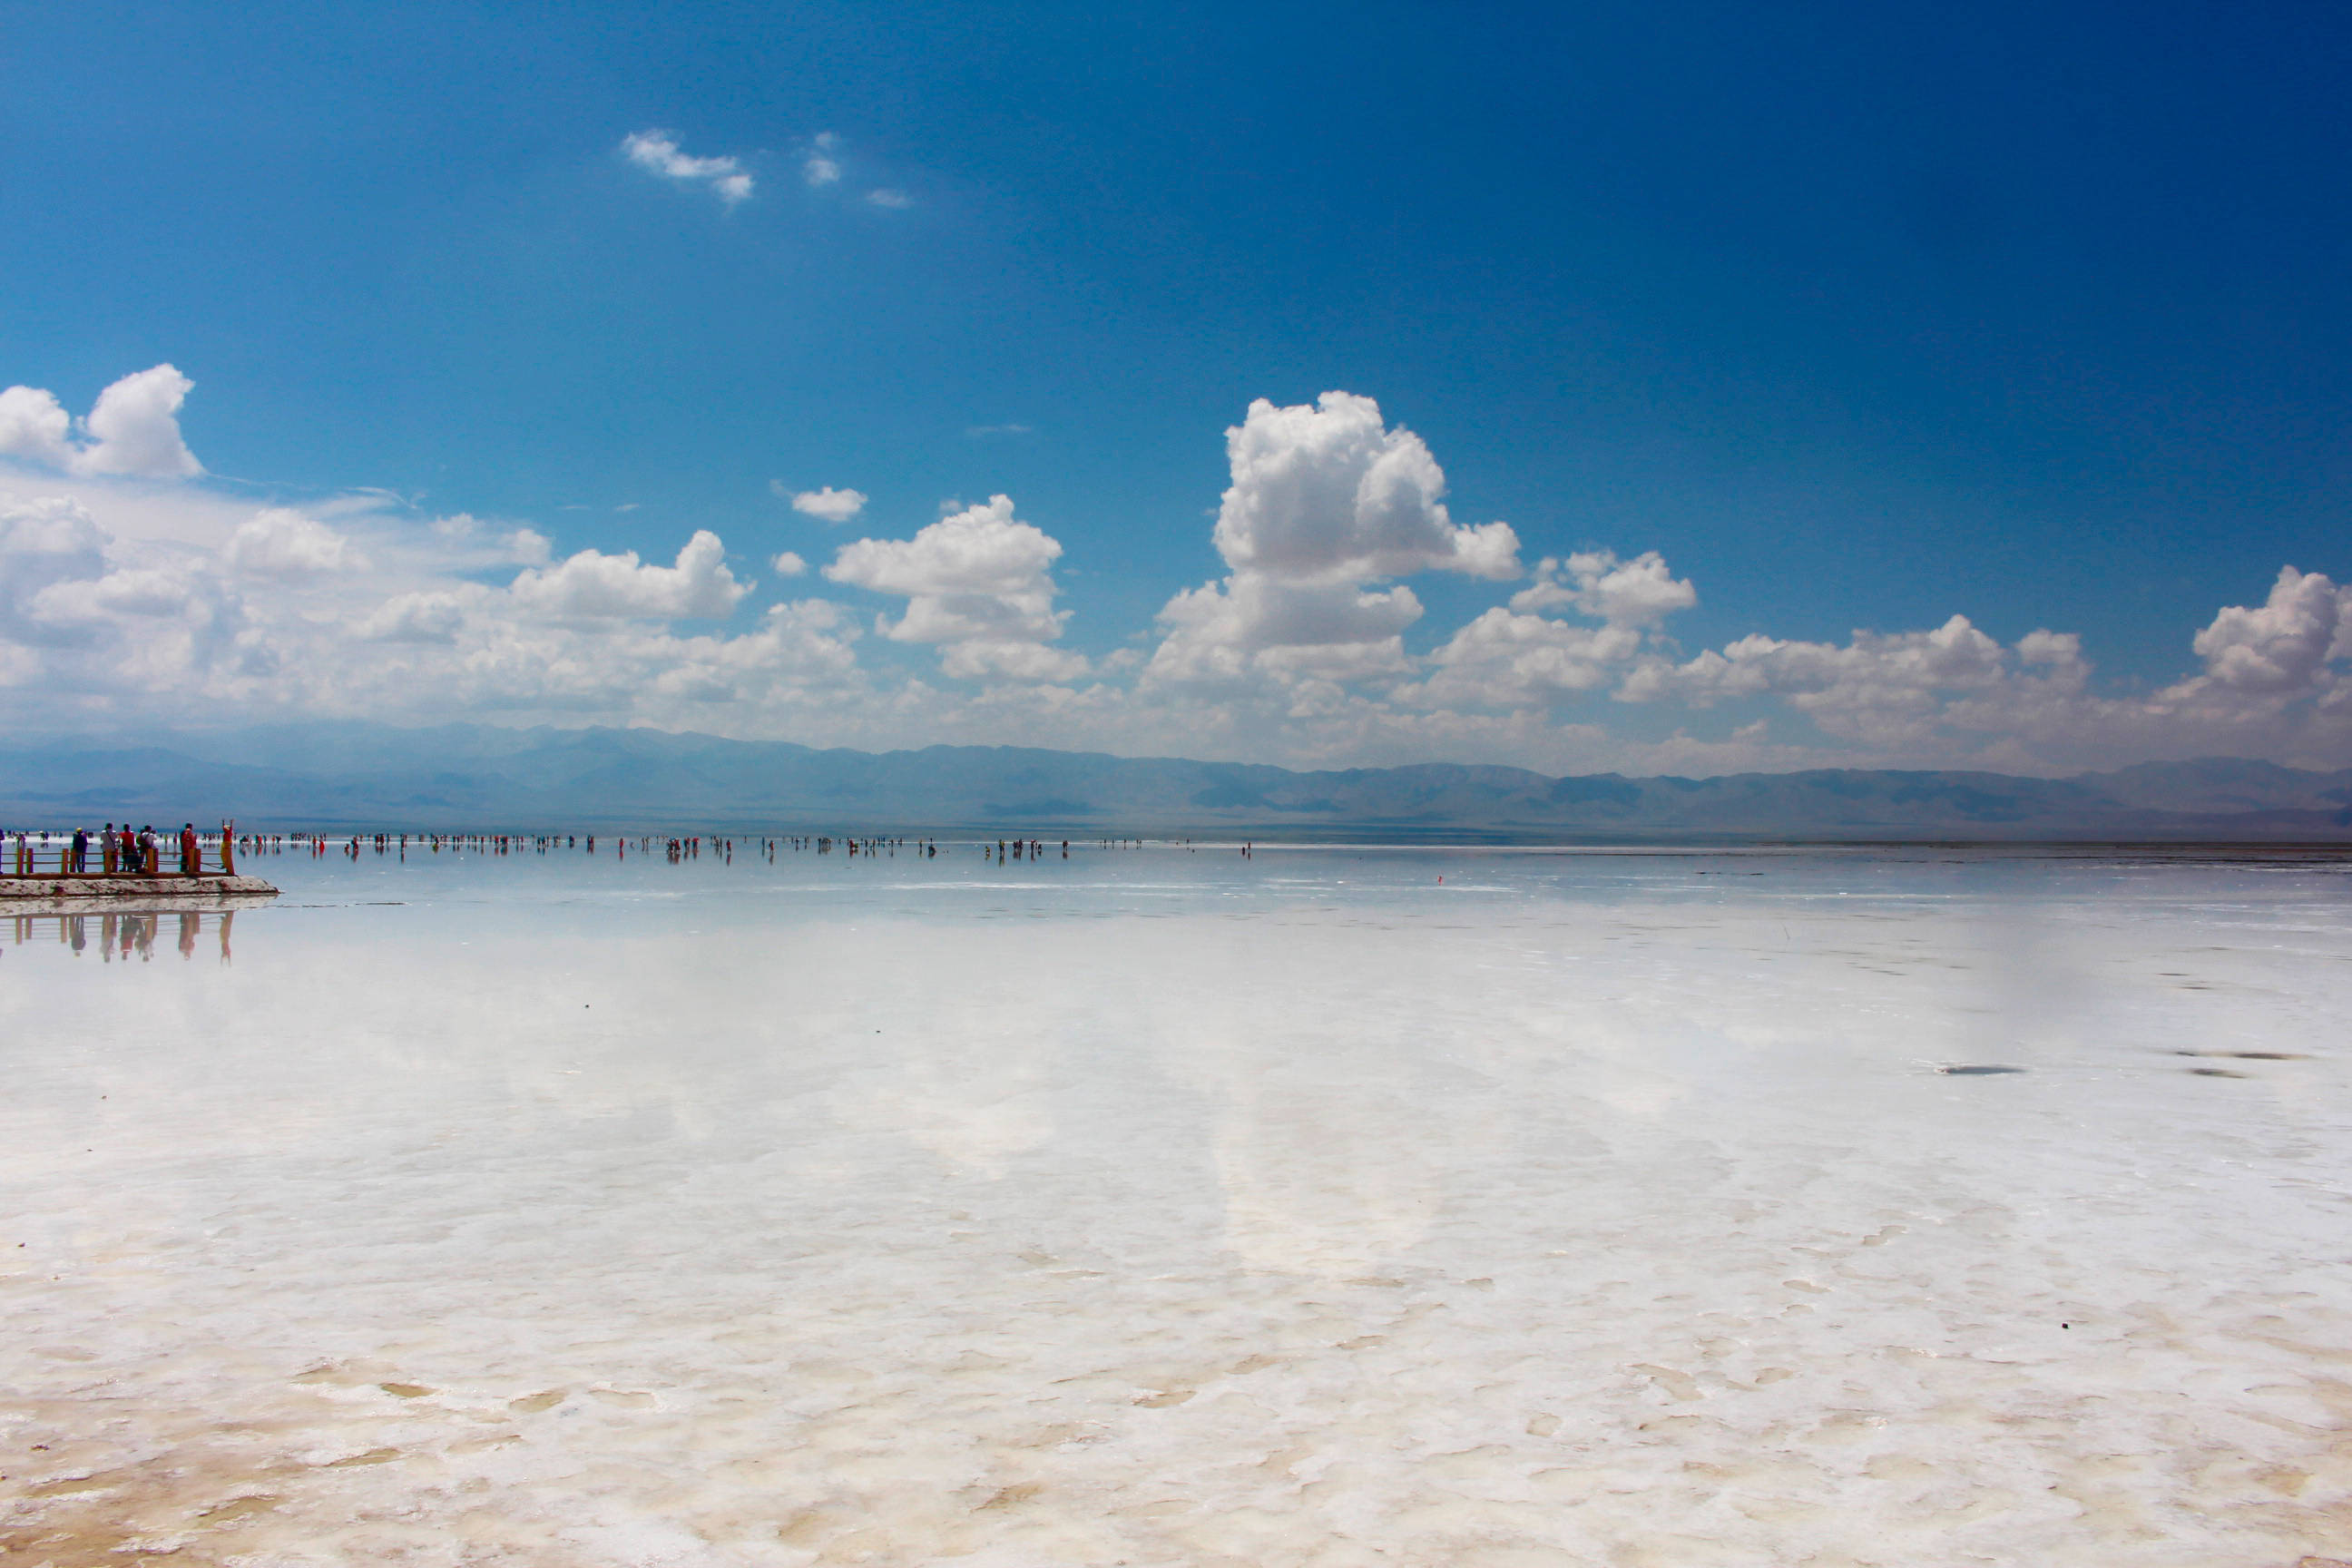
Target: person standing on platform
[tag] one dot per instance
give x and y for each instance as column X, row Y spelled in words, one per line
column 188, row 849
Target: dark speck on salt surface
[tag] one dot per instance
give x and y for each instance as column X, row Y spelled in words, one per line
column 2249, row 1055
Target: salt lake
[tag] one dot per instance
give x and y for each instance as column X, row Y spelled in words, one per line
column 1167, row 1205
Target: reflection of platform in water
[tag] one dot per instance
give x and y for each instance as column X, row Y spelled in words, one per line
column 122, row 931
column 91, row 893
column 174, row 901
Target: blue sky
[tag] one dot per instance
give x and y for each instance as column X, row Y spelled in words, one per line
column 1861, row 317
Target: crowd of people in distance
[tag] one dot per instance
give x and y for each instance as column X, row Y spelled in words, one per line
column 677, row 848
column 122, row 850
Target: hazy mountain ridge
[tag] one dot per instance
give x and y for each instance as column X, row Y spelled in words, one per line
column 469, row 776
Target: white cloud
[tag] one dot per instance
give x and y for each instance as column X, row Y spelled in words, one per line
column 2283, row 646
column 416, row 618
column 133, row 593
column 99, row 626
column 1230, row 632
column 1948, row 697
column 53, row 528
column 2061, row 650
column 1875, row 676
column 658, row 152
column 821, row 168
column 1324, row 501
column 35, row 426
column 1637, row 592
column 1507, row 659
column 132, row 430
column 123, row 599
column 1515, row 656
column 592, row 585
column 1329, row 494
column 504, row 547
column 979, row 582
column 135, row 428
column 45, row 543
column 827, row 504
column 275, row 543
column 1014, row 659
column 86, row 614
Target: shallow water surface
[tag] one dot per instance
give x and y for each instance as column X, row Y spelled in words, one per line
column 1167, row 1207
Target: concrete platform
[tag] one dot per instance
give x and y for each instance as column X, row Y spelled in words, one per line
column 169, row 892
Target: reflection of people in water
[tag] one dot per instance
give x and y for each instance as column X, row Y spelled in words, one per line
column 76, row 937
column 189, row 922
column 227, row 916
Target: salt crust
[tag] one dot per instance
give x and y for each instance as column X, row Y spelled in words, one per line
column 1152, row 1209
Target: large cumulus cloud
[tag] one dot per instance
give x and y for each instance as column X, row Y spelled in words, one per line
column 979, row 585
column 1326, row 502
column 133, row 429
column 1328, row 493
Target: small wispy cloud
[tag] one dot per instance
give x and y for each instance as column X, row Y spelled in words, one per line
column 821, row 167
column 894, row 201
column 658, row 152
column 982, row 432
column 828, row 505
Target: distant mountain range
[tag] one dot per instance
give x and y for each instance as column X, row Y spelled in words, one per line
column 467, row 776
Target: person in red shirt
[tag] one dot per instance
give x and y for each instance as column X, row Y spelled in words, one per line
column 189, row 851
